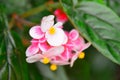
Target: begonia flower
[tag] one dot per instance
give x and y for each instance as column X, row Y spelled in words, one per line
column 54, row 35
column 51, row 44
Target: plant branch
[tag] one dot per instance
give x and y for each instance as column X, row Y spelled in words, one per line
column 32, row 12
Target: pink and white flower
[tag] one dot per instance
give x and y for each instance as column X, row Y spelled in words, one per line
column 54, row 35
column 51, row 44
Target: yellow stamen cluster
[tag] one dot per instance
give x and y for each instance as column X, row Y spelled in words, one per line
column 81, row 55
column 52, row 30
column 46, row 60
column 53, row 67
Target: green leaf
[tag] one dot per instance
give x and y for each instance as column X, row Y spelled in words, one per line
column 12, row 57
column 98, row 24
column 20, row 57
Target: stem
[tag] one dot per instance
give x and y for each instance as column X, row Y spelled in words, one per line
column 32, row 12
column 39, row 9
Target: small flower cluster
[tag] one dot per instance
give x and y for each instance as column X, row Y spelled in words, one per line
column 51, row 44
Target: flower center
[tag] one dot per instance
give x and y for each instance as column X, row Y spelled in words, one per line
column 81, row 55
column 52, row 30
column 46, row 60
column 53, row 67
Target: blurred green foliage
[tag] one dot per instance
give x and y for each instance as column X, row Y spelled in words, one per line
column 16, row 18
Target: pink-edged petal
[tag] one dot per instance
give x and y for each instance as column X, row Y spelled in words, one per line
column 82, row 41
column 85, row 46
column 58, row 24
column 35, row 32
column 32, row 49
column 79, row 43
column 73, row 59
column 34, row 58
column 56, row 39
column 60, row 62
column 55, row 51
column 44, row 46
column 43, row 39
column 34, row 41
column 47, row 22
column 73, row 35
column 65, row 55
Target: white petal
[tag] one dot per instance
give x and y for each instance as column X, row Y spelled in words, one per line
column 56, row 39
column 34, row 58
column 65, row 39
column 35, row 32
column 47, row 22
column 55, row 51
column 50, row 17
column 46, row 25
column 73, row 59
column 60, row 62
column 58, row 24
